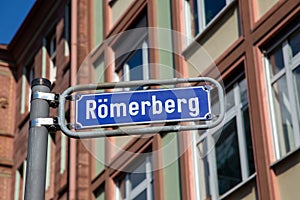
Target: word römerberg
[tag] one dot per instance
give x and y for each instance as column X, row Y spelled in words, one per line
column 143, row 107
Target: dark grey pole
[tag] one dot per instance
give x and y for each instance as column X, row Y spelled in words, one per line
column 37, row 144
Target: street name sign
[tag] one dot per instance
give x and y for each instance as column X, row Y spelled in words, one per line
column 142, row 106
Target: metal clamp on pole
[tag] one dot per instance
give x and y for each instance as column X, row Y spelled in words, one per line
column 50, row 123
column 52, row 98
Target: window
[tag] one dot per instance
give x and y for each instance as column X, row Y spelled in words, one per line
column 27, row 78
column 138, row 184
column 67, row 28
column 51, row 49
column 205, row 11
column 64, row 146
column 283, row 75
column 50, row 159
column 99, row 193
column 30, row 79
column 20, row 181
column 225, row 156
column 63, row 152
column 131, row 53
column 136, row 65
column 23, row 92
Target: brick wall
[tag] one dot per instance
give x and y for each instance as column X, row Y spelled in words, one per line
column 6, row 100
column 27, row 48
column 7, row 108
column 5, row 182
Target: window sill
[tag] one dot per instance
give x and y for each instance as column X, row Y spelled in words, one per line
column 237, row 187
column 286, row 162
column 195, row 42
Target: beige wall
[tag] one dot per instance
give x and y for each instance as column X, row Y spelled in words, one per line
column 118, row 8
column 213, row 43
column 288, row 182
column 264, row 6
column 245, row 192
column 120, row 142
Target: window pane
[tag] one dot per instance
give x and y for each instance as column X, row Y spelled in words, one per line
column 136, row 178
column 196, row 16
column 243, row 92
column 212, row 8
column 249, row 149
column 283, row 116
column 99, row 193
column 297, row 89
column 138, row 175
column 294, row 42
column 228, row 158
column 141, row 196
column 136, row 65
column 230, row 100
column 276, row 61
column 139, row 181
column 203, row 169
column 215, row 105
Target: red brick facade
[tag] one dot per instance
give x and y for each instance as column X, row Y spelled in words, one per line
column 7, row 110
column 29, row 49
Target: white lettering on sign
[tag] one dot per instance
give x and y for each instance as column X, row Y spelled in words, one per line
column 121, row 109
column 102, row 109
column 91, row 106
column 194, row 106
column 133, row 108
column 156, row 106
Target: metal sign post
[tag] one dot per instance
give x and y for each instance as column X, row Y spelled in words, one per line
column 40, row 124
column 37, row 144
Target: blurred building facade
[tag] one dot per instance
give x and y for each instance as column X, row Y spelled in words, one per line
column 252, row 47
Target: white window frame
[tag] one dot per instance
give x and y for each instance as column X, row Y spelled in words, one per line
column 17, row 184
column 26, row 88
column 145, row 60
column 23, row 90
column 234, row 112
column 146, row 184
column 63, row 153
column 50, row 151
column 201, row 14
column 290, row 64
column 52, row 54
column 20, row 174
column 30, row 79
column 188, row 22
column 24, row 176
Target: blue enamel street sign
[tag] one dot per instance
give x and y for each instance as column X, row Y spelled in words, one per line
column 147, row 106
